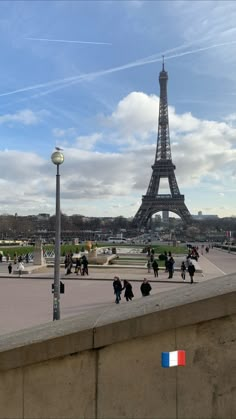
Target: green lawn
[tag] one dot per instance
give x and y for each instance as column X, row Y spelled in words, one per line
column 176, row 250
column 22, row 250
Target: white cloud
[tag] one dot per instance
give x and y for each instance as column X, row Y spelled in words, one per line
column 97, row 181
column 58, row 132
column 25, row 117
column 136, row 114
column 212, row 23
column 87, row 142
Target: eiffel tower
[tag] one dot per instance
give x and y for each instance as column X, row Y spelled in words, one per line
column 163, row 167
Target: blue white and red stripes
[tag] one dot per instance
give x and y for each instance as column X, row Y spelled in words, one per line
column 173, row 359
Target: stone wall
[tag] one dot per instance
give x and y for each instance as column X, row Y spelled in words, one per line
column 107, row 362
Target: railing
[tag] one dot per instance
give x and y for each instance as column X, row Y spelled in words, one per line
column 228, row 247
column 163, row 196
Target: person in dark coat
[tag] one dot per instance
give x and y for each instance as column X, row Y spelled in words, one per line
column 77, row 266
column 10, row 268
column 183, row 270
column 155, row 267
column 117, row 286
column 84, row 263
column 149, row 266
column 191, row 270
column 145, row 288
column 170, row 267
column 166, row 261
column 68, row 264
column 128, row 290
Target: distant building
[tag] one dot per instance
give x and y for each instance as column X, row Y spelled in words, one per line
column 43, row 217
column 201, row 216
column 165, row 216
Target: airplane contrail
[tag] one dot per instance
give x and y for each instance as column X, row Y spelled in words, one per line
column 183, row 46
column 68, row 41
column 81, row 77
column 91, row 76
column 181, row 54
column 62, row 83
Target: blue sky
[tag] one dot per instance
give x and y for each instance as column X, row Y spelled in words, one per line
column 98, row 98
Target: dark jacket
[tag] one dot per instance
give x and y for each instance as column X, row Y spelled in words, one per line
column 170, row 264
column 128, row 290
column 117, row 285
column 183, row 267
column 191, row 269
column 84, row 261
column 78, row 263
column 155, row 265
column 145, row 288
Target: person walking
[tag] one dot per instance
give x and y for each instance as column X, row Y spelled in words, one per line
column 66, row 262
column 149, row 266
column 183, row 270
column 117, row 286
column 202, row 249
column 128, row 290
column 84, row 263
column 77, row 266
column 155, row 267
column 9, row 268
column 170, row 267
column 20, row 268
column 191, row 270
column 166, row 261
column 145, row 288
column 69, row 264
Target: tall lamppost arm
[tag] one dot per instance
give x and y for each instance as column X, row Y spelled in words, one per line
column 57, row 158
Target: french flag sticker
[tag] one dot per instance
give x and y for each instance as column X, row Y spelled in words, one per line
column 173, row 359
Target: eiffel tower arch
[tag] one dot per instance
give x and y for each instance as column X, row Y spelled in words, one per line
column 163, row 167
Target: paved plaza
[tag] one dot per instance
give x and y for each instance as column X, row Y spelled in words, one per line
column 27, row 301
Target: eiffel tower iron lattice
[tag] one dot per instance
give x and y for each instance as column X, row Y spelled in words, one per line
column 163, row 167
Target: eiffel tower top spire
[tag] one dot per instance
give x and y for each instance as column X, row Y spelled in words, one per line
column 163, row 151
column 163, row 63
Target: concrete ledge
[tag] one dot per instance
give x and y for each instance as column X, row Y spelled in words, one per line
column 163, row 320
column 48, row 341
column 114, row 323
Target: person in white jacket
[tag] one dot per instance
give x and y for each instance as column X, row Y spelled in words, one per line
column 20, row 268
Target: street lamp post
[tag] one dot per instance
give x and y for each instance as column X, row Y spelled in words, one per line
column 57, row 158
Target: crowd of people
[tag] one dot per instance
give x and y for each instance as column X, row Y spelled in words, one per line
column 187, row 265
column 80, row 266
column 145, row 289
